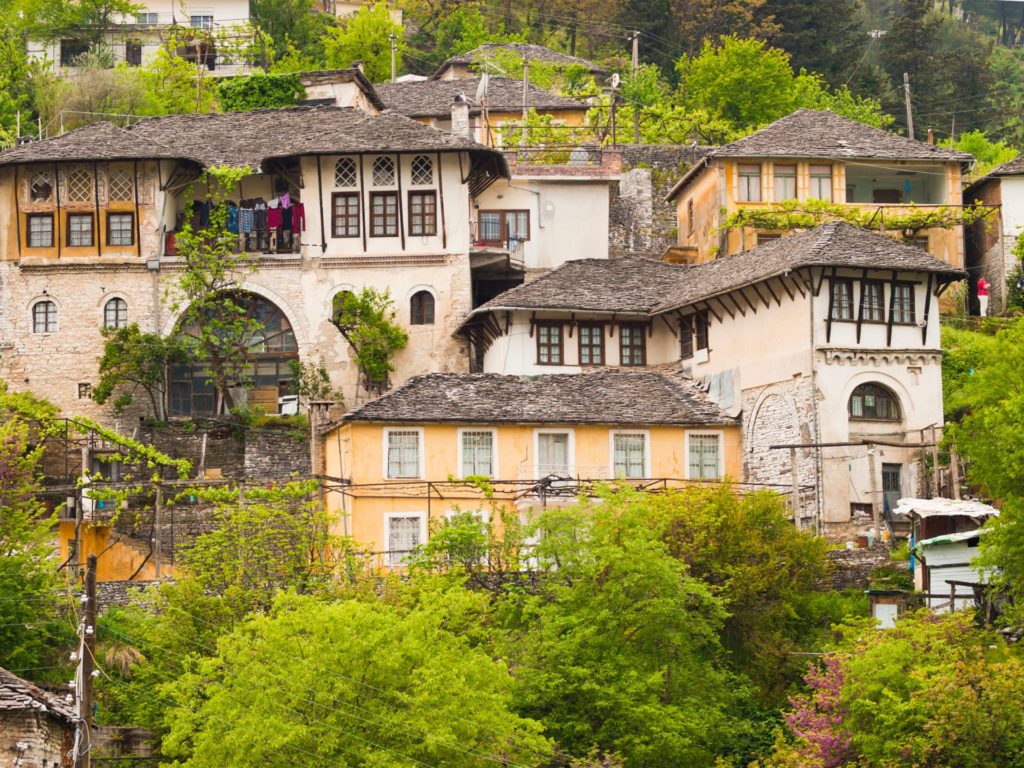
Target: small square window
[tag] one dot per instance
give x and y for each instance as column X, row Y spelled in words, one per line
column 383, row 214
column 40, row 230
column 80, row 232
column 120, row 229
column 41, row 187
column 842, row 299
column 84, row 390
column 422, row 213
column 633, row 344
column 345, row 173
column 549, row 344
column 403, row 454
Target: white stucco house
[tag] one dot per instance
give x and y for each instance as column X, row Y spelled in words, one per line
column 990, row 241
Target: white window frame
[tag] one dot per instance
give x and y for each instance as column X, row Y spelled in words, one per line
column 420, row 451
column 743, row 190
column 814, row 182
column 571, row 463
column 483, row 515
column 720, row 433
column 494, row 449
column 388, row 517
column 646, row 435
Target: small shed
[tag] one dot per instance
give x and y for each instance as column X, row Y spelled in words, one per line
column 38, row 726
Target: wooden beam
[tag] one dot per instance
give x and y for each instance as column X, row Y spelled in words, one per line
column 810, row 273
column 752, row 304
column 440, row 202
column 892, row 310
column 860, row 305
column 768, row 287
column 725, row 307
column 785, row 287
column 712, row 310
column 363, row 204
column 831, row 299
column 533, row 321
column 401, row 201
column 800, row 286
column 668, row 325
column 767, row 302
column 735, row 304
column 17, row 207
column 927, row 308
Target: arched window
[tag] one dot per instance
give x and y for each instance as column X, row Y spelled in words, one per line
column 873, row 401
column 115, row 313
column 338, row 303
column 383, row 172
column 422, row 308
column 422, row 171
column 345, row 173
column 44, row 317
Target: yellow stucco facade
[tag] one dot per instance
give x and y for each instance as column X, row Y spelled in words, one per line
column 719, row 190
column 355, row 451
column 116, row 560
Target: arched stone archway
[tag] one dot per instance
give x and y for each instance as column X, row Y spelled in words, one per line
column 268, row 347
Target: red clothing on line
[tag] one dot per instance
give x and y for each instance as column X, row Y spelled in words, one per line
column 983, row 286
column 298, row 217
column 274, row 218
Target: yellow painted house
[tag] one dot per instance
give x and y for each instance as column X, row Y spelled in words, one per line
column 404, row 457
column 816, row 155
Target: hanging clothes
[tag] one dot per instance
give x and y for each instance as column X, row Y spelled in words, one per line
column 203, row 209
column 286, row 218
column 232, row 217
column 246, row 219
column 285, row 200
column 298, row 218
column 274, row 218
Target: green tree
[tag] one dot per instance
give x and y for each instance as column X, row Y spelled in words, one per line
column 348, row 683
column 462, row 31
column 176, row 86
column 258, row 91
column 827, row 37
column 29, row 618
column 367, row 322
column 206, row 292
column 366, row 37
column 19, row 78
column 291, row 25
column 987, row 154
column 135, row 360
column 87, row 20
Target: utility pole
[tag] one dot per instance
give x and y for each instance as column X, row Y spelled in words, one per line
column 394, row 56
column 910, row 112
column 635, row 38
column 157, row 514
column 795, row 488
column 86, row 670
column 874, row 492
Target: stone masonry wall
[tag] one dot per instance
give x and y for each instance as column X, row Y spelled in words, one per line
column 780, row 414
column 641, row 223
column 47, row 741
column 852, row 568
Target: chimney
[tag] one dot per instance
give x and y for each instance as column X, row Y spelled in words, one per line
column 931, row 136
column 460, row 117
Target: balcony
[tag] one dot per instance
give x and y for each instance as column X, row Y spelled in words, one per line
column 491, row 245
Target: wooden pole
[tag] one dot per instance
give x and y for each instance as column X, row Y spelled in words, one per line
column 795, row 492
column 157, row 514
column 88, row 663
column 874, row 491
column 954, row 472
column 910, row 111
column 636, row 65
column 936, row 469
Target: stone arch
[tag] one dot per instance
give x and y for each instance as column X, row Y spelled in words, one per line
column 773, row 421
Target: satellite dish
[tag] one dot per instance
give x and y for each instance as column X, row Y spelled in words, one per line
column 615, row 80
column 481, row 89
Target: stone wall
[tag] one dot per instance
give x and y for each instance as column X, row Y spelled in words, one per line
column 119, row 593
column 46, row 741
column 641, row 223
column 852, row 568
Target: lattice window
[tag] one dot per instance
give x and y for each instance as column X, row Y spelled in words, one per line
column 422, row 170
column 345, row 173
column 120, row 188
column 79, row 187
column 41, row 187
column 383, row 172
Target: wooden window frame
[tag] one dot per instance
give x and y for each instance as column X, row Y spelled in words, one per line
column 336, row 217
column 811, row 175
column 599, row 327
column 548, row 346
column 422, row 318
column 786, row 174
column 701, row 331
column 895, row 406
column 851, row 306
column 624, row 346
column 690, row 224
column 28, row 230
column 909, row 287
column 862, row 306
column 131, row 228
column 423, row 219
column 374, row 196
column 107, row 310
column 503, row 213
column 719, row 436
column 92, row 231
column 742, row 189
column 686, row 345
column 51, row 305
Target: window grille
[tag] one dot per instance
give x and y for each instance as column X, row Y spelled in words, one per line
column 80, row 186
column 41, row 187
column 345, row 173
column 704, row 457
column 383, row 172
column 403, row 454
column 478, row 453
column 422, row 170
column 630, row 460
column 120, row 188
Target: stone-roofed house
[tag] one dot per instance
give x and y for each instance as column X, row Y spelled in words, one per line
column 816, row 155
column 469, row 64
column 990, row 240
column 38, row 726
column 827, row 336
column 538, row 439
column 335, row 199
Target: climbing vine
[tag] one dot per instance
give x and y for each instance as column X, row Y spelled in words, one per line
column 367, row 321
column 807, row 214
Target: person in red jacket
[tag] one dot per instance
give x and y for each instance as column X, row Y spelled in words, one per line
column 983, row 286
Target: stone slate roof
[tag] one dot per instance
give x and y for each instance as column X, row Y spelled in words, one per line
column 833, row 244
column 102, row 142
column 629, row 284
column 433, row 98
column 250, row 138
column 609, row 397
column 526, row 51
column 1013, row 168
column 17, row 695
column 809, row 133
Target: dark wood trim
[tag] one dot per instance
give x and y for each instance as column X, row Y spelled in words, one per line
column 572, row 322
column 561, row 340
column 533, row 322
column 735, row 303
column 927, row 308
column 633, row 326
column 320, row 192
column 709, row 308
column 892, row 309
column 93, row 234
column 398, row 206
column 508, row 321
column 363, row 202
column 440, row 202
column 785, row 287
column 817, row 291
column 667, row 325
column 56, row 219
column 502, row 214
column 600, row 342
column 334, row 213
column 860, row 305
column 426, row 193
column 755, row 289
column 700, row 318
column 831, row 298
column 96, row 200
column 686, row 330
column 725, row 307
column 17, row 208
column 768, row 287
column 913, row 301
column 118, row 213
column 800, row 287
column 752, row 304
column 398, row 181
column 138, row 219
column 54, row 237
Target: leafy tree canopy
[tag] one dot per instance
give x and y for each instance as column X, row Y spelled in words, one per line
column 259, row 90
column 366, row 37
